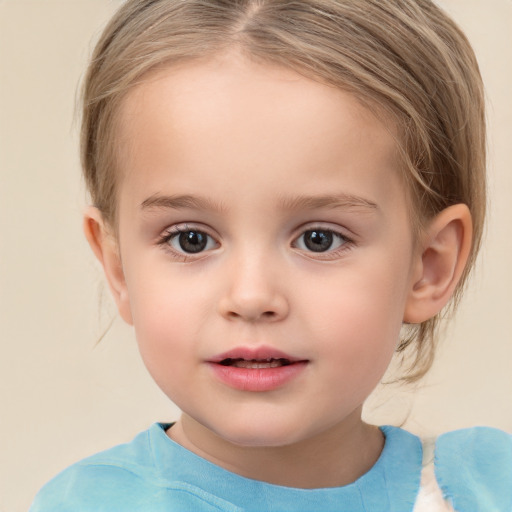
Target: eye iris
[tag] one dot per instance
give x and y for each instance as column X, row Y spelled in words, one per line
column 193, row 241
column 318, row 241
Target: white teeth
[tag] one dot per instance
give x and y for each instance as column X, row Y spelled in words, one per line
column 268, row 363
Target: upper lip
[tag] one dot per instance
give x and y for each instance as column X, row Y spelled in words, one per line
column 260, row 353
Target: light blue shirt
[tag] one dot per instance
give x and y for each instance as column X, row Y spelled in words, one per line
column 153, row 473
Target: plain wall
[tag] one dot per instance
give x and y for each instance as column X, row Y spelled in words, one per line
column 62, row 395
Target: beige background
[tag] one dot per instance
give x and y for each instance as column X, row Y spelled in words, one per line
column 62, row 397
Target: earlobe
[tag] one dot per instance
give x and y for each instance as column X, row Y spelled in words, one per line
column 442, row 257
column 106, row 249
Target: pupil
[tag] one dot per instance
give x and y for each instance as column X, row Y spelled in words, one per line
column 318, row 241
column 192, row 241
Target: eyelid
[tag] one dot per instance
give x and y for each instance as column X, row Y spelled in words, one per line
column 183, row 227
column 170, row 232
column 324, row 226
column 330, row 254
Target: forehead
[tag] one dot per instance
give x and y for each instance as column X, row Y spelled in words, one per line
column 228, row 116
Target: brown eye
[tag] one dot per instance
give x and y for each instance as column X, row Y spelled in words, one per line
column 320, row 240
column 191, row 241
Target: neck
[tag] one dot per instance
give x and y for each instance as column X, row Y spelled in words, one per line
column 332, row 458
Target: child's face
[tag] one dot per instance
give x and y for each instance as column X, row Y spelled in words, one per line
column 261, row 216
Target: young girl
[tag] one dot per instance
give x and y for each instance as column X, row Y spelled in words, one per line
column 285, row 194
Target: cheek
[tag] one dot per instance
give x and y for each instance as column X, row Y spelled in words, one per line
column 167, row 318
column 166, row 334
column 161, row 301
column 359, row 314
column 363, row 299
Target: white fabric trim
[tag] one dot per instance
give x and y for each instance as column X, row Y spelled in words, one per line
column 430, row 497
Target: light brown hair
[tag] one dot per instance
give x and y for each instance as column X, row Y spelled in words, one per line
column 405, row 59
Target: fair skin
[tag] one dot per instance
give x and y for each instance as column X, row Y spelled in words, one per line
column 261, row 211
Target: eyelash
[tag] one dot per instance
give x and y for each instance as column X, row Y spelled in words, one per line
column 166, row 238
column 172, row 233
column 346, row 243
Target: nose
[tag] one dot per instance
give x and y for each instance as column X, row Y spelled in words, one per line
column 254, row 292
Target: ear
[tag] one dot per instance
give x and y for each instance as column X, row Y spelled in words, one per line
column 443, row 252
column 106, row 249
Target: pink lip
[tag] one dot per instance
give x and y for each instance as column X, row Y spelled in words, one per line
column 256, row 379
column 250, row 353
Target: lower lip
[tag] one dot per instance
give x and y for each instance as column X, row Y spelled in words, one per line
column 257, row 379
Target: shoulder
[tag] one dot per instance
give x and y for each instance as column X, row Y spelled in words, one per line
column 101, row 475
column 126, row 478
column 474, row 469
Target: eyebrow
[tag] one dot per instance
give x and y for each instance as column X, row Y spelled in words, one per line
column 303, row 202
column 331, row 201
column 178, row 202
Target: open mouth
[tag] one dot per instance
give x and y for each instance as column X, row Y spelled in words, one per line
column 256, row 363
column 257, row 369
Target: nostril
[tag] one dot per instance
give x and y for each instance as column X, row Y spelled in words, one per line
column 265, row 315
column 253, row 307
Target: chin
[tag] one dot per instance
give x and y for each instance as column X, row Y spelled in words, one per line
column 259, row 434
